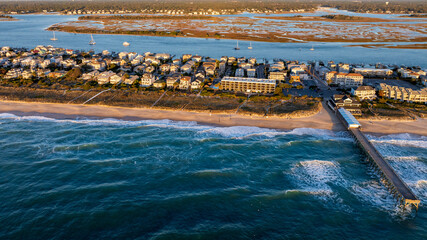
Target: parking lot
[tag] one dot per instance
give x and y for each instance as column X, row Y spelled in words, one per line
column 391, row 82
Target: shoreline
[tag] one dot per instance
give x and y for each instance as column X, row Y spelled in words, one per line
column 325, row 119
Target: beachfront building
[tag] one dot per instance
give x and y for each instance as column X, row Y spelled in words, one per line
column 343, row 68
column 279, row 76
column 196, row 84
column 348, row 103
column 251, row 72
column 240, row 72
column 329, row 76
column 131, row 79
column 403, row 94
column 373, row 72
column 116, row 79
column 159, row 83
column 185, row 83
column 364, row 92
column 147, row 80
column 248, row 85
column 348, row 80
column 13, row 73
column 104, row 77
column 171, row 80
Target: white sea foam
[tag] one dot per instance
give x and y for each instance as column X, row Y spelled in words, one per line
column 238, row 132
column 420, row 189
column 404, row 139
column 402, row 158
column 375, row 194
column 316, row 176
column 243, row 132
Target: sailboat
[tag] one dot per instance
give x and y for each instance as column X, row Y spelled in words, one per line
column 250, row 45
column 54, row 38
column 312, row 48
column 237, row 47
column 92, row 42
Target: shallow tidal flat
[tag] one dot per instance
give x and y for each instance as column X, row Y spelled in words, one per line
column 5, row 18
column 256, row 28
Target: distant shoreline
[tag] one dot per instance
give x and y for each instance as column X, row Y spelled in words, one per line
column 325, row 119
column 362, row 43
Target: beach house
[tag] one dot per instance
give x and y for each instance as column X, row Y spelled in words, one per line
column 364, row 92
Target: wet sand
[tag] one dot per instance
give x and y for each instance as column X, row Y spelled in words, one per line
column 325, row 119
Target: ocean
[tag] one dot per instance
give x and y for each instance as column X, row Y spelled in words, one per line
column 161, row 179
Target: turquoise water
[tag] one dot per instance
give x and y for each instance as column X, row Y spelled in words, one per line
column 160, row 179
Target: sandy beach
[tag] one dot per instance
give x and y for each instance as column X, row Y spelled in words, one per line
column 325, row 119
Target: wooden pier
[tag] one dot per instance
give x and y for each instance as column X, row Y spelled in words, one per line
column 392, row 180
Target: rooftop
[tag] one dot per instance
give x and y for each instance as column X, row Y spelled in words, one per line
column 251, row 80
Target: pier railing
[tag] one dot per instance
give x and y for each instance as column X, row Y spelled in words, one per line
column 392, row 180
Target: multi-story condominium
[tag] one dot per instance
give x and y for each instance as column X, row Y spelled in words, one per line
column 329, row 76
column 298, row 69
column 403, row 94
column 250, row 85
column 277, row 76
column 373, row 72
column 278, row 66
column 240, row 72
column 251, row 72
column 13, row 73
column 348, row 80
column 344, row 68
column 364, row 92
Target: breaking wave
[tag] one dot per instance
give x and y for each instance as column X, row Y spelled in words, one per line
column 237, row 132
column 316, row 176
column 404, row 139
